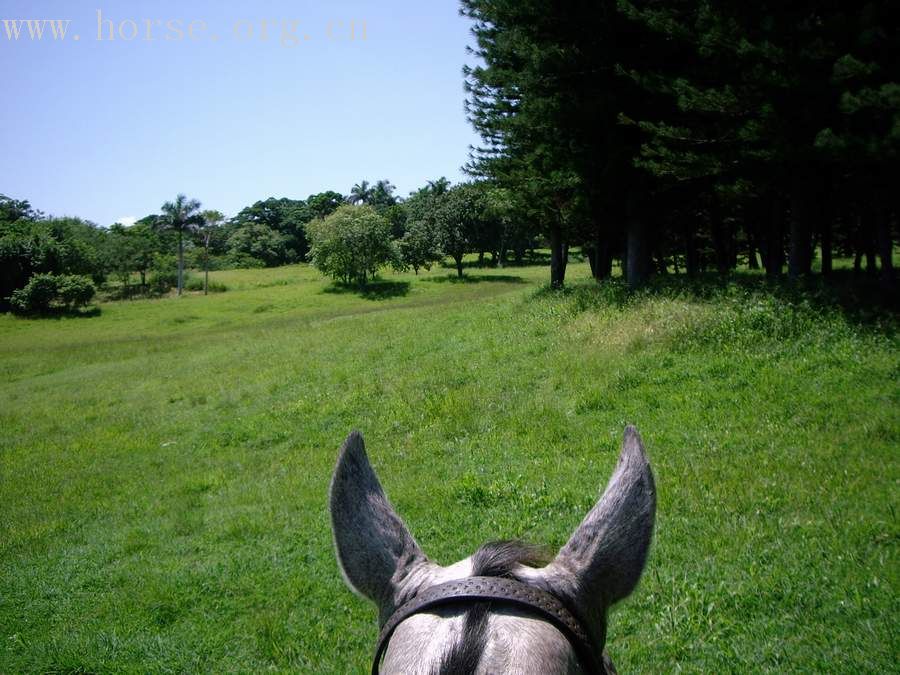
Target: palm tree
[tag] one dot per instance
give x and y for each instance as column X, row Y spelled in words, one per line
column 383, row 193
column 360, row 193
column 211, row 220
column 181, row 216
column 439, row 186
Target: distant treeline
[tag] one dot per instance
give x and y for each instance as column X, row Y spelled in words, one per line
column 147, row 257
column 691, row 135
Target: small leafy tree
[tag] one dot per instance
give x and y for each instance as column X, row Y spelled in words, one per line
column 420, row 245
column 352, row 244
column 456, row 212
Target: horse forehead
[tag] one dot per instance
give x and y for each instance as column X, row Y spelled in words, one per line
column 423, row 577
column 521, row 643
column 516, row 643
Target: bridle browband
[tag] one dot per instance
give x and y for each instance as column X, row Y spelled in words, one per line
column 500, row 590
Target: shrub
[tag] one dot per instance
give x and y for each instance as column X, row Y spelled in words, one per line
column 242, row 260
column 164, row 274
column 44, row 292
column 420, row 245
column 196, row 284
column 75, row 291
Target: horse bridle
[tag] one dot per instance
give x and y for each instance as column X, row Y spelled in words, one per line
column 504, row 591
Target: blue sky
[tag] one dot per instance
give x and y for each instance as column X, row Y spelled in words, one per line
column 110, row 129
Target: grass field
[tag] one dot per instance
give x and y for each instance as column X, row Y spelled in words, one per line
column 164, row 465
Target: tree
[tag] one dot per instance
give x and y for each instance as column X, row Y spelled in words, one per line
column 212, row 220
column 544, row 100
column 654, row 129
column 131, row 249
column 360, row 193
column 257, row 245
column 382, row 195
column 12, row 210
column 181, row 216
column 438, row 186
column 352, row 244
column 420, row 245
column 285, row 216
column 324, row 203
column 455, row 215
column 32, row 244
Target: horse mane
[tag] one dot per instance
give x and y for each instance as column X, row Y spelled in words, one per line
column 493, row 559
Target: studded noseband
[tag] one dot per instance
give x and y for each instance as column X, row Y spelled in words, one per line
column 502, row 591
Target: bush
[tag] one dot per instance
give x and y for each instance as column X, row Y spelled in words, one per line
column 75, row 291
column 242, row 260
column 44, row 292
column 164, row 274
column 196, row 284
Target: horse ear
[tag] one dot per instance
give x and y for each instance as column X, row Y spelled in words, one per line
column 375, row 550
column 603, row 560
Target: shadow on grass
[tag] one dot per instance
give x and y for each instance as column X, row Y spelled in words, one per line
column 475, row 279
column 382, row 289
column 537, row 259
column 861, row 299
column 59, row 313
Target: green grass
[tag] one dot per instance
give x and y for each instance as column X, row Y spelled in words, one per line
column 164, row 465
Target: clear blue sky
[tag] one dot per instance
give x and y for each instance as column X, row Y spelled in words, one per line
column 110, row 129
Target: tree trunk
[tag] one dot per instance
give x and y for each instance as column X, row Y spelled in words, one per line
column 752, row 262
column 180, row 262
column 885, row 248
column 600, row 255
column 799, row 259
column 871, row 265
column 206, row 268
column 825, row 235
column 721, row 238
column 638, row 251
column 590, row 252
column 638, row 269
column 519, row 253
column 690, row 250
column 868, row 240
column 557, row 254
column 459, row 269
column 661, row 265
column 604, row 259
column 774, row 240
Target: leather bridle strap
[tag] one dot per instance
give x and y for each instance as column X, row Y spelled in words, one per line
column 502, row 590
